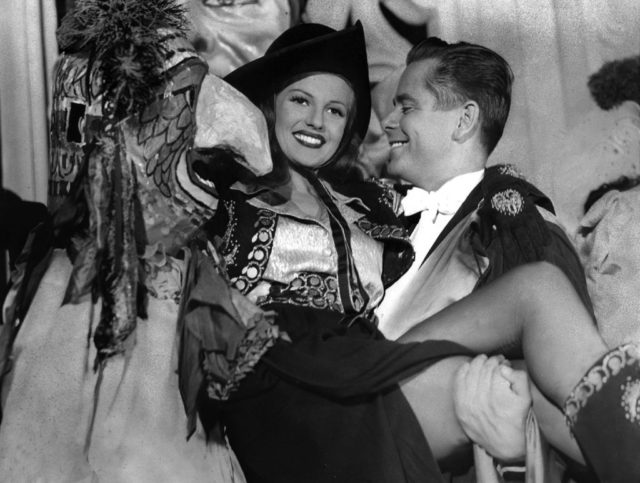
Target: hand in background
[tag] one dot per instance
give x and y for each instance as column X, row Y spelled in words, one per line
column 492, row 401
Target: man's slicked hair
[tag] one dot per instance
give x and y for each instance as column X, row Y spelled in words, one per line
column 464, row 71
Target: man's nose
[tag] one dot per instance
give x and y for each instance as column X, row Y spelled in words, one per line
column 391, row 120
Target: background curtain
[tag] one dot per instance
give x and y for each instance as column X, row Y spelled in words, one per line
column 27, row 53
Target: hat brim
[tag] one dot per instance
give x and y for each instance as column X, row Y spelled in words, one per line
column 341, row 52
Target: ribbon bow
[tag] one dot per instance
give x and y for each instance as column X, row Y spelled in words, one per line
column 418, row 200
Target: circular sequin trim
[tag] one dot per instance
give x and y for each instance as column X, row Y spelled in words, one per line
column 259, row 254
column 508, row 202
column 596, row 378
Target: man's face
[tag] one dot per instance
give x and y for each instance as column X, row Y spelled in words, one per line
column 420, row 136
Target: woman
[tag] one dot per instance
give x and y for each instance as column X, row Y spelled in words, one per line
column 312, row 253
column 312, row 391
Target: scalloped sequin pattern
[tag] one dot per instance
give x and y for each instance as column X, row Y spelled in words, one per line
column 609, row 366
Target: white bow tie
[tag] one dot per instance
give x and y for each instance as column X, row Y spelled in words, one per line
column 418, row 200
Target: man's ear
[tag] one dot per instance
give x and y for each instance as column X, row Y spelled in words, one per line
column 468, row 121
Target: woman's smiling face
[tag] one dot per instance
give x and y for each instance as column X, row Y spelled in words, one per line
column 311, row 117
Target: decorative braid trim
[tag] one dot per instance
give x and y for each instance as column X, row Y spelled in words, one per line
column 382, row 232
column 307, row 289
column 256, row 341
column 510, row 170
column 259, row 256
column 595, row 379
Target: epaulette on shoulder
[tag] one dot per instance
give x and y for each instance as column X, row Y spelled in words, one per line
column 509, row 214
column 507, row 191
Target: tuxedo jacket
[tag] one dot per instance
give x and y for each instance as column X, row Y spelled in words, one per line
column 472, row 250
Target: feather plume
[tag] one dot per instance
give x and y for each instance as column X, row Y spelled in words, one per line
column 124, row 38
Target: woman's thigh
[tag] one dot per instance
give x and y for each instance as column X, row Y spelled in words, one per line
column 430, row 395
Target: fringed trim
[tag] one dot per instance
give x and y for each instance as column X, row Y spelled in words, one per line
column 597, row 377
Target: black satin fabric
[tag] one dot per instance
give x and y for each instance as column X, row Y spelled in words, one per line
column 327, row 406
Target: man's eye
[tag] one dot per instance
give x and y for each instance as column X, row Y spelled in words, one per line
column 405, row 109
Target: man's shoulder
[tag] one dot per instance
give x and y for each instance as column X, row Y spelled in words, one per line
column 504, row 184
column 513, row 218
column 515, row 224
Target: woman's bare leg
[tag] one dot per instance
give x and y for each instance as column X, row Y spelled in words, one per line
column 430, row 395
column 535, row 307
column 554, row 426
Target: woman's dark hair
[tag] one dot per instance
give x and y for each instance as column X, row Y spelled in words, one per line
column 621, row 184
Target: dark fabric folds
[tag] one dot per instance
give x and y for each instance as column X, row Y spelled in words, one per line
column 222, row 336
column 327, row 406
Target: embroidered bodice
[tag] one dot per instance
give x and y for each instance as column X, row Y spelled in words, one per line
column 275, row 253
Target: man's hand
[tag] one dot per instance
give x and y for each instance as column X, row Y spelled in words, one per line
column 492, row 401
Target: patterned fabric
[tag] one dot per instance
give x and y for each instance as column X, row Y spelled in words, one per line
column 221, row 333
column 254, row 268
column 603, row 412
column 258, row 257
column 317, row 290
column 508, row 202
column 122, row 178
column 352, row 294
column 271, row 254
column 612, row 364
column 608, row 242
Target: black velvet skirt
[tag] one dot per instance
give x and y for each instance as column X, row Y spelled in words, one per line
column 327, row 407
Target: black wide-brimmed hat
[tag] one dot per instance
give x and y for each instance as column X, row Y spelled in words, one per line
column 309, row 48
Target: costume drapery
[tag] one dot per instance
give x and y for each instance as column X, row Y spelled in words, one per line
column 92, row 391
column 329, row 383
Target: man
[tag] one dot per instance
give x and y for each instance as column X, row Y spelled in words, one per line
column 473, row 223
column 469, row 223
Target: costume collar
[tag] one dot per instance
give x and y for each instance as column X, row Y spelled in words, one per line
column 276, row 199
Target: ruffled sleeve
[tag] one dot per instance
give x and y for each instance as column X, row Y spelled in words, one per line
column 223, row 335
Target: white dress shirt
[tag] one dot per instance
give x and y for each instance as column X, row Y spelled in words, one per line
column 437, row 208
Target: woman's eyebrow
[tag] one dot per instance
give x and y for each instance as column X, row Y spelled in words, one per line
column 332, row 101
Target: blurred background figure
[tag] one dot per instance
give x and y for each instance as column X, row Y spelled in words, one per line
column 599, row 178
column 230, row 33
column 605, row 145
